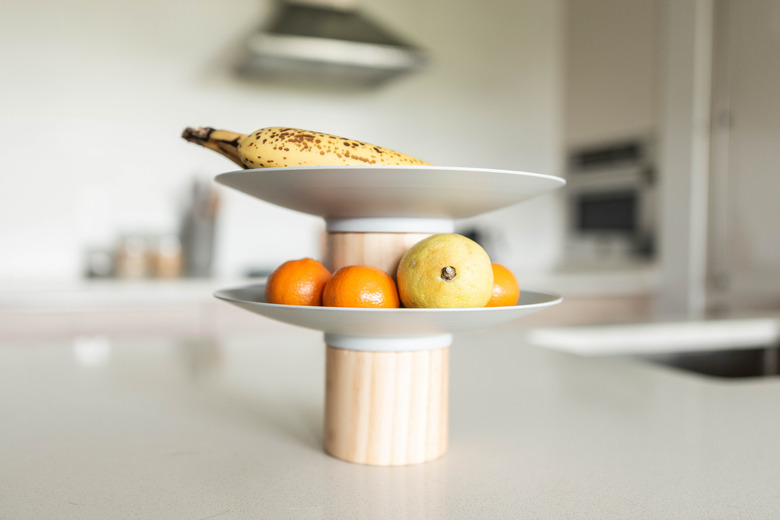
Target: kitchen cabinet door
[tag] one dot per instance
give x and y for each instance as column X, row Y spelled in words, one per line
column 744, row 250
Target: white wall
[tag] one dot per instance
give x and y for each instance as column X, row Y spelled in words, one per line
column 96, row 93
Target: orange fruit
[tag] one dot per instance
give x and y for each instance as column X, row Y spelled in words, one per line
column 361, row 286
column 297, row 282
column 506, row 292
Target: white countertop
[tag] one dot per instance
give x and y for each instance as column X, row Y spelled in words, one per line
column 690, row 335
column 232, row 428
column 59, row 294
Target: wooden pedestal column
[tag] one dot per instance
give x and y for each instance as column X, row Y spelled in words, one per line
column 382, row 250
column 384, row 408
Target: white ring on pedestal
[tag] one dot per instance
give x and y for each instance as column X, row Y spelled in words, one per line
column 390, row 225
column 391, row 344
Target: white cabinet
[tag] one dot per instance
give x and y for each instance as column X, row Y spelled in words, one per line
column 612, row 65
column 744, row 245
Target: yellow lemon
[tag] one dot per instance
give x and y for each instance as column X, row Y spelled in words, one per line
column 443, row 271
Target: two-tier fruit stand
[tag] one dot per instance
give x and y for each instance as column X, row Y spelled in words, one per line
column 387, row 370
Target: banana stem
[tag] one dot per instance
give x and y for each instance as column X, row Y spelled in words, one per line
column 221, row 141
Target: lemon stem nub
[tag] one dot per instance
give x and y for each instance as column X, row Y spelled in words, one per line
column 448, row 273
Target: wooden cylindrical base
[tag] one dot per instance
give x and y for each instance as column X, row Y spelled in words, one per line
column 386, row 408
column 382, row 250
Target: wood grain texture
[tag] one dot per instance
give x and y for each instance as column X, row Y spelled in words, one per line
column 382, row 250
column 386, row 408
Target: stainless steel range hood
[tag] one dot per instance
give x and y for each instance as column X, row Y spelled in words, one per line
column 327, row 41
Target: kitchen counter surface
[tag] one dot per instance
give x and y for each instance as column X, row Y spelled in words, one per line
column 42, row 294
column 232, row 428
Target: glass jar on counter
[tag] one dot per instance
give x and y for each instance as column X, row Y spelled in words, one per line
column 133, row 257
column 149, row 256
column 167, row 259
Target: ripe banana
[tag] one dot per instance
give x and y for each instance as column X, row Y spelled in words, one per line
column 279, row 146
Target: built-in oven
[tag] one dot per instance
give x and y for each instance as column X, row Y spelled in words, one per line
column 612, row 213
